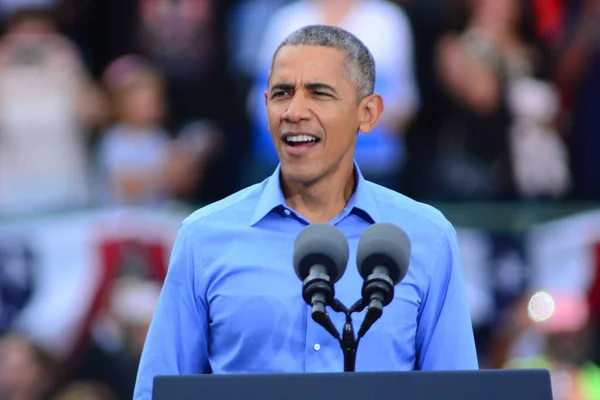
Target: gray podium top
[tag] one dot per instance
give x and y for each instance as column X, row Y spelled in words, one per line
column 413, row 385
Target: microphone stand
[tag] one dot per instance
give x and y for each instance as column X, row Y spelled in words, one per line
column 348, row 341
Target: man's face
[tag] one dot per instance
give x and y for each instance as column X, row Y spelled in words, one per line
column 313, row 113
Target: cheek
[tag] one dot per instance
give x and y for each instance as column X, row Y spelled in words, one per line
column 273, row 117
column 341, row 131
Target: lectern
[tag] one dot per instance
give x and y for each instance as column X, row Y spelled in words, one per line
column 413, row 385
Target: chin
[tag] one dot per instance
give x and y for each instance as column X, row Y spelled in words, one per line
column 299, row 173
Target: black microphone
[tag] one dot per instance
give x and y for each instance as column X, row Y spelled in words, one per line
column 382, row 259
column 320, row 258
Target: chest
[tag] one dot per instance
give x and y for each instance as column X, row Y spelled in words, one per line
column 254, row 299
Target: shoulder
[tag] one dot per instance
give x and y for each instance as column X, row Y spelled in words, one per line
column 114, row 139
column 401, row 209
column 233, row 208
column 435, row 252
column 114, row 133
column 432, row 236
column 161, row 135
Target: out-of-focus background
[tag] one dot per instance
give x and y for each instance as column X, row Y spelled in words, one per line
column 120, row 117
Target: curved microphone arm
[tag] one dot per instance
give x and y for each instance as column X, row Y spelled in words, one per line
column 358, row 306
column 348, row 340
column 322, row 318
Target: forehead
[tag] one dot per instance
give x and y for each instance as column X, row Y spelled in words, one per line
column 314, row 63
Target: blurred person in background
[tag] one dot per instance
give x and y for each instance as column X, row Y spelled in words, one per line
column 139, row 163
column 490, row 72
column 47, row 105
column 18, row 267
column 118, row 336
column 538, row 155
column 186, row 40
column 86, row 391
column 179, row 37
column 196, row 154
column 246, row 22
column 430, row 19
column 386, row 31
column 27, row 372
column 578, row 74
column 133, row 152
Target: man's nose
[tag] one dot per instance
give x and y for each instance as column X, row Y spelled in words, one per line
column 298, row 108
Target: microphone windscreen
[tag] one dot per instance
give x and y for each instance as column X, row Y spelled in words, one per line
column 383, row 244
column 321, row 244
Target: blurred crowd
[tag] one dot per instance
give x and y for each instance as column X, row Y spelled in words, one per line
column 159, row 103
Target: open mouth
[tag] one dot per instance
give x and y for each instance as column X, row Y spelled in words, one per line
column 300, row 140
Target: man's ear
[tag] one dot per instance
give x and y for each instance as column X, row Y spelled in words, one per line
column 370, row 110
column 266, row 97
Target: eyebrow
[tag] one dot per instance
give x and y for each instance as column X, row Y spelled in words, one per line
column 314, row 86
column 320, row 86
column 282, row 86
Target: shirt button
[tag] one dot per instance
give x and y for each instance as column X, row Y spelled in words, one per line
column 287, row 212
column 317, row 347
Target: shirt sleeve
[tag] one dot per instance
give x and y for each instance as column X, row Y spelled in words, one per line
column 177, row 340
column 445, row 338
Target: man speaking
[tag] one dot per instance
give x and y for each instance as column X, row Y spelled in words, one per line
column 232, row 303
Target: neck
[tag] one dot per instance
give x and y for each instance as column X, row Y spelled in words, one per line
column 323, row 200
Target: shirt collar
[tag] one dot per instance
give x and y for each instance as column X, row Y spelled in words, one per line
column 272, row 198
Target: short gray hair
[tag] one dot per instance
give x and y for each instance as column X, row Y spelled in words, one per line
column 359, row 60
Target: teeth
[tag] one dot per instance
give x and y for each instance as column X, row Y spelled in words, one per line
column 301, row 138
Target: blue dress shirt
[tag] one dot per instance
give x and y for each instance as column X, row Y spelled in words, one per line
column 231, row 302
